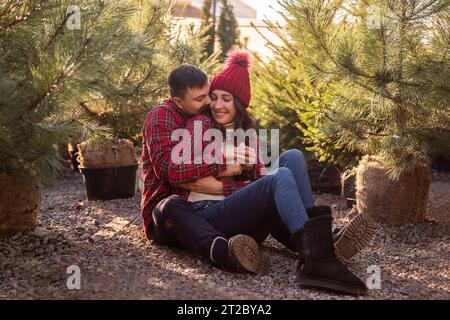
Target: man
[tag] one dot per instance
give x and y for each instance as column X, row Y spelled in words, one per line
column 168, row 217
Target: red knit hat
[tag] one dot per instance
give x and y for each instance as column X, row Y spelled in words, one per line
column 235, row 77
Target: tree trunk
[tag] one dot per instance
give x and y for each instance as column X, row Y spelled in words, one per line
column 391, row 202
column 20, row 200
column 348, row 182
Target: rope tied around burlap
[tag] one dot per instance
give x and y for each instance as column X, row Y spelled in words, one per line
column 107, row 154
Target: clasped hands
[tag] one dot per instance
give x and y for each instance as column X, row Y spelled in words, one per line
column 238, row 159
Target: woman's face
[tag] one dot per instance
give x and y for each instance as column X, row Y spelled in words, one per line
column 222, row 107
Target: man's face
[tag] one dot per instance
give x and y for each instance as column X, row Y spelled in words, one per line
column 195, row 100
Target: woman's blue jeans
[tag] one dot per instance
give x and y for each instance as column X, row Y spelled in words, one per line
column 276, row 203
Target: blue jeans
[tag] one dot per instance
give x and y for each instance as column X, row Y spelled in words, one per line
column 254, row 210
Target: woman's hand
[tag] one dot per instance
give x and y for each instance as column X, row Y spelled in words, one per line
column 208, row 185
column 246, row 156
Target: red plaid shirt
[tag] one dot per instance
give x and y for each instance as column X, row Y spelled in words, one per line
column 159, row 173
column 198, row 145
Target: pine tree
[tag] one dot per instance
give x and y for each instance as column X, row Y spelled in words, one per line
column 228, row 31
column 286, row 98
column 208, row 25
column 139, row 82
column 45, row 67
column 271, row 104
column 61, row 78
column 375, row 75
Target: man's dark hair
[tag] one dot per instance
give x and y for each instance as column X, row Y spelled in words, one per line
column 184, row 77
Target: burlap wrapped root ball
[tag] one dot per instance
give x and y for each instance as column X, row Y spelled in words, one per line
column 106, row 154
column 391, row 202
column 20, row 201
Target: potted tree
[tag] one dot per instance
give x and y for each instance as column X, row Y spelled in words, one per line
column 44, row 66
column 373, row 79
column 54, row 61
column 108, row 168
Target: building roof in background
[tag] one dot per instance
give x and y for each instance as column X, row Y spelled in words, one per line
column 242, row 10
column 186, row 9
column 192, row 9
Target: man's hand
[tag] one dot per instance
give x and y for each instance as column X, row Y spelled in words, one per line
column 231, row 171
column 208, row 185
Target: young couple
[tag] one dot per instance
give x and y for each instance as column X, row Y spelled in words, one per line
column 224, row 211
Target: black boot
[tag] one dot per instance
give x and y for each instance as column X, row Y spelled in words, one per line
column 313, row 213
column 318, row 211
column 321, row 211
column 320, row 267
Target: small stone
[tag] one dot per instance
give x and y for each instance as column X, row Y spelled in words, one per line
column 12, row 253
column 40, row 232
column 50, row 248
column 66, row 259
column 79, row 205
column 16, row 236
column 30, row 247
column 84, row 237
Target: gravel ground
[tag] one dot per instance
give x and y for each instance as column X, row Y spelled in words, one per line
column 116, row 261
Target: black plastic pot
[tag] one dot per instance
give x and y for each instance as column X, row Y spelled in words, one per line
column 109, row 183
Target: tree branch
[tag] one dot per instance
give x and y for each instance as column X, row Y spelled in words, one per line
column 20, row 19
column 69, row 66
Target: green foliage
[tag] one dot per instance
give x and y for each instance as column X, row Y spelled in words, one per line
column 101, row 79
column 380, row 91
column 285, row 99
column 228, row 31
column 154, row 46
column 271, row 103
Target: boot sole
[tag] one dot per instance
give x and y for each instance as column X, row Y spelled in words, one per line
column 245, row 252
column 330, row 285
column 355, row 237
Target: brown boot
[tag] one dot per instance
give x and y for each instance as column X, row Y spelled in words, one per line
column 244, row 253
column 355, row 236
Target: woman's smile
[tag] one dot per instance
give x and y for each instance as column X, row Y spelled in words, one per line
column 219, row 114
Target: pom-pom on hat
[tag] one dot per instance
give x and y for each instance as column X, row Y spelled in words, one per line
column 235, row 76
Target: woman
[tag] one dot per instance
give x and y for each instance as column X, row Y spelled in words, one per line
column 280, row 203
